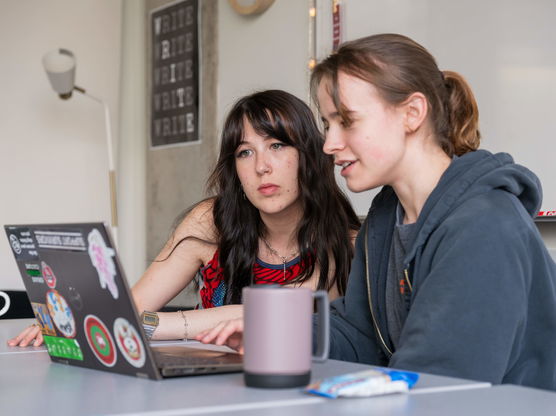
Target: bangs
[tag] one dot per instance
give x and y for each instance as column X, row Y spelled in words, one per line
column 272, row 114
column 268, row 122
column 326, row 73
column 350, row 63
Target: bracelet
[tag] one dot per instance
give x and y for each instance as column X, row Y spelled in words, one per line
column 185, row 325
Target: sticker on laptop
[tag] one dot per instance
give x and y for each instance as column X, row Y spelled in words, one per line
column 16, row 245
column 43, row 318
column 102, row 258
column 100, row 341
column 129, row 342
column 33, row 270
column 61, row 313
column 22, row 243
column 63, row 347
column 75, row 298
column 48, row 275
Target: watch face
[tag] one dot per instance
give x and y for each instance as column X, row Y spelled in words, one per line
column 150, row 318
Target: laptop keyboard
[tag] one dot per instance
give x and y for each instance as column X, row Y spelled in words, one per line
column 172, row 365
column 194, row 357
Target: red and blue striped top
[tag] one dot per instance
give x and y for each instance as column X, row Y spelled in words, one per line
column 213, row 290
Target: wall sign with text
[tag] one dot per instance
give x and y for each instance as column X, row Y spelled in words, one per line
column 175, row 74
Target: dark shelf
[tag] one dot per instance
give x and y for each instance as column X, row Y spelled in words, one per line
column 546, row 219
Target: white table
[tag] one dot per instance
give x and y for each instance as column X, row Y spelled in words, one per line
column 505, row 400
column 31, row 384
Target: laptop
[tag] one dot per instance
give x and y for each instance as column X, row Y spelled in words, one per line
column 80, row 297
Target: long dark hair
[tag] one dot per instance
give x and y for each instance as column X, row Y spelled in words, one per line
column 398, row 66
column 324, row 231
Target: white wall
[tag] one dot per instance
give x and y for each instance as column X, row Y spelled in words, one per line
column 267, row 51
column 132, row 141
column 506, row 50
column 53, row 160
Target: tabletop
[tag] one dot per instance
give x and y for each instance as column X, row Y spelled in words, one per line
column 507, row 400
column 30, row 383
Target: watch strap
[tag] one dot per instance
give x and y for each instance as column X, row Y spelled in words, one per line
column 150, row 323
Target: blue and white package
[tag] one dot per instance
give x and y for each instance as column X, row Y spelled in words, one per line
column 364, row 383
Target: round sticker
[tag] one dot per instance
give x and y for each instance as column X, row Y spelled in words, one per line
column 129, row 342
column 100, row 341
column 61, row 313
column 16, row 246
column 48, row 275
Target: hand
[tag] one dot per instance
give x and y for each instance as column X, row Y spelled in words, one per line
column 228, row 333
column 27, row 336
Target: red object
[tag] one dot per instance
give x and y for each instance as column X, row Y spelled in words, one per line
column 48, row 275
column 213, row 277
column 100, row 341
column 546, row 214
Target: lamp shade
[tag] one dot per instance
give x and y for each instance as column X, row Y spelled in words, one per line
column 60, row 68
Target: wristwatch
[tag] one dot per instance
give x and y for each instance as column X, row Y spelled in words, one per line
column 150, row 322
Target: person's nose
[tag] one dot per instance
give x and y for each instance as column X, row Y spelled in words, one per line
column 263, row 164
column 333, row 143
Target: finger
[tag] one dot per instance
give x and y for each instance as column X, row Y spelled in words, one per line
column 201, row 335
column 234, row 342
column 231, row 328
column 29, row 337
column 223, row 334
column 16, row 340
column 38, row 340
column 213, row 333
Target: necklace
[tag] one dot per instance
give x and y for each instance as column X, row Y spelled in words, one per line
column 283, row 258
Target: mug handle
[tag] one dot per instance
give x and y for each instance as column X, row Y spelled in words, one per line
column 7, row 300
column 323, row 326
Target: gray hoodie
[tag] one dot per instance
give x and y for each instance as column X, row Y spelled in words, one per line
column 483, row 300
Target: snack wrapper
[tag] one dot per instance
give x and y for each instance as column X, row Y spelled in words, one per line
column 364, row 383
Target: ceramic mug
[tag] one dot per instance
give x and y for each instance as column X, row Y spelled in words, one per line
column 6, row 306
column 277, row 336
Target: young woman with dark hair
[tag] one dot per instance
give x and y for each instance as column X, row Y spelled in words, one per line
column 277, row 216
column 450, row 274
column 319, row 236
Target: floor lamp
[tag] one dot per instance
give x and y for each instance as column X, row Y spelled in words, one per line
column 60, row 68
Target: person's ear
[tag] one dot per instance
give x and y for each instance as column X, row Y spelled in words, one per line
column 415, row 111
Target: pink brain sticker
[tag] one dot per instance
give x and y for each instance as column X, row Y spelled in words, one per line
column 102, row 259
